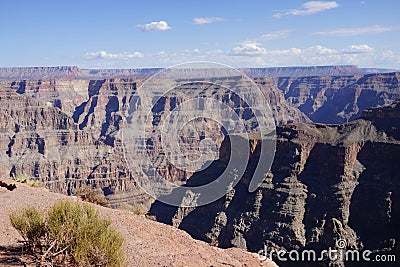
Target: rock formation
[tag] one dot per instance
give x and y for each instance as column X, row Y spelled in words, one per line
column 327, row 182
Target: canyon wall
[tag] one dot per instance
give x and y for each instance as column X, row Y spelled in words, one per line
column 39, row 115
column 327, row 182
column 334, row 99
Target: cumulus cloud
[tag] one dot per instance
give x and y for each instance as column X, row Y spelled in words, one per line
column 350, row 55
column 353, row 54
column 308, row 8
column 355, row 31
column 358, row 49
column 207, row 20
column 105, row 55
column 388, row 56
column 248, row 48
column 286, row 52
column 154, row 26
column 321, row 50
column 276, row 35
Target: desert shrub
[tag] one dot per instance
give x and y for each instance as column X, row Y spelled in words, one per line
column 71, row 232
column 34, row 183
column 88, row 194
column 139, row 209
column 19, row 178
column 30, row 224
column 31, row 182
column 90, row 238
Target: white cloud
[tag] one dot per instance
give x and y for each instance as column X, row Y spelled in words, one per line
column 355, row 31
column 276, row 35
column 384, row 57
column 350, row 55
column 191, row 51
column 248, row 48
column 308, row 8
column 207, row 20
column 320, row 50
column 358, row 49
column 106, row 55
column 215, row 52
column 155, row 26
column 286, row 52
column 251, row 54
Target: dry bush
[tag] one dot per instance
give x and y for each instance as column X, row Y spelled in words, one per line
column 88, row 194
column 69, row 233
column 139, row 209
column 30, row 224
column 31, row 182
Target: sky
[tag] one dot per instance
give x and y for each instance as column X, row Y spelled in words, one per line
column 253, row 33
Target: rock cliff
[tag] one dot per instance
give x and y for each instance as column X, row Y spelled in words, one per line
column 327, row 182
column 334, row 99
column 67, row 133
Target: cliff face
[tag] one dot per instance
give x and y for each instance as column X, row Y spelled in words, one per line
column 327, row 182
column 67, row 133
column 41, row 142
column 89, row 113
column 339, row 99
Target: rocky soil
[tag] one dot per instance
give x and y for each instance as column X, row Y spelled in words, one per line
column 146, row 242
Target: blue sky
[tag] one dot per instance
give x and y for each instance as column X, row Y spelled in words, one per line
column 134, row 34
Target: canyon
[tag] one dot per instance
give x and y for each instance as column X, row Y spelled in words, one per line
column 327, row 183
column 334, row 175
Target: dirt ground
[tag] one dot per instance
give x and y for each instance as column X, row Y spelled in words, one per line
column 146, row 242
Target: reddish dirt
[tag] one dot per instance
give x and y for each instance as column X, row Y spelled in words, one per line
column 146, row 242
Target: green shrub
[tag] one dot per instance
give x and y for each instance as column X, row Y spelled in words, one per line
column 139, row 209
column 30, row 224
column 31, row 182
column 38, row 183
column 19, row 178
column 88, row 194
column 70, row 232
